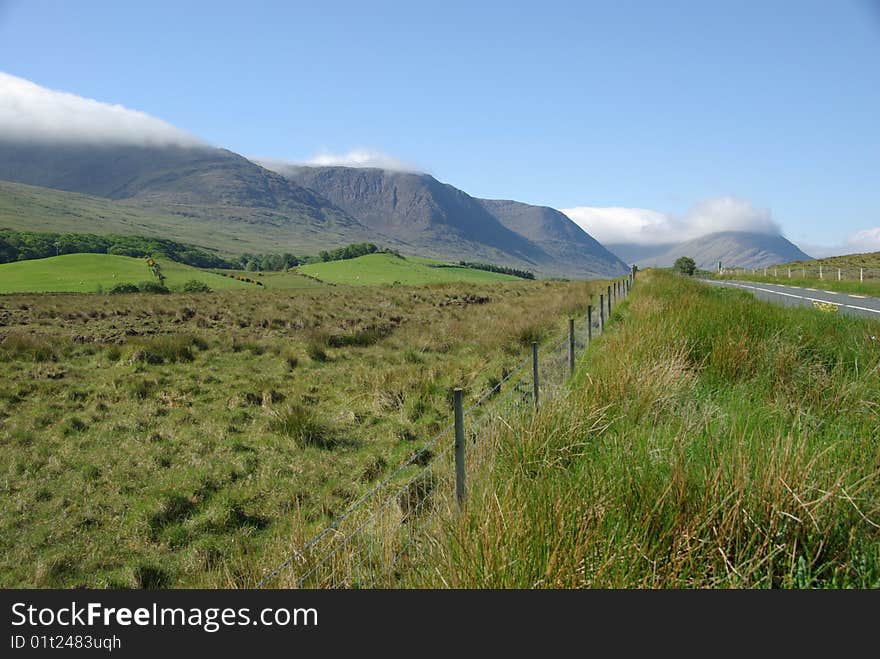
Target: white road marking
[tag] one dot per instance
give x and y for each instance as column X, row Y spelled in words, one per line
column 804, row 297
column 861, row 297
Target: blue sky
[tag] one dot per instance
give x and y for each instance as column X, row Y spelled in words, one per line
column 643, row 107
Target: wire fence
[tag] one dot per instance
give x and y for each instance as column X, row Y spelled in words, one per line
column 812, row 272
column 375, row 541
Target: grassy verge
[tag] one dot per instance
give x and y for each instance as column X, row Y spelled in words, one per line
column 871, row 287
column 708, row 440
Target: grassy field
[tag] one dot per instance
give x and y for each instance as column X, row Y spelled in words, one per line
column 387, row 269
column 89, row 273
column 708, row 440
column 191, row 440
column 279, row 281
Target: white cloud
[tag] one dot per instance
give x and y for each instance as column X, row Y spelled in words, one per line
column 360, row 157
column 623, row 225
column 649, row 227
column 867, row 240
column 861, row 242
column 29, row 112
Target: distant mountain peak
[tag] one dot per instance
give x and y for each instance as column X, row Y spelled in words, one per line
column 734, row 249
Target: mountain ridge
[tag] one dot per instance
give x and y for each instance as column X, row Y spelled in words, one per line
column 424, row 212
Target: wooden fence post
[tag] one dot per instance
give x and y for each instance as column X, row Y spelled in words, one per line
column 571, row 346
column 589, row 323
column 601, row 313
column 460, row 491
column 535, row 372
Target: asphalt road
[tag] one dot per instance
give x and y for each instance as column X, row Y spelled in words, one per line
column 793, row 296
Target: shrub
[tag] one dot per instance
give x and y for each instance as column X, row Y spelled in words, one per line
column 196, row 286
column 152, row 287
column 685, row 265
column 123, row 288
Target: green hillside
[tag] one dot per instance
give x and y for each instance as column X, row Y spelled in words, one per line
column 231, row 230
column 384, row 269
column 866, row 260
column 88, row 273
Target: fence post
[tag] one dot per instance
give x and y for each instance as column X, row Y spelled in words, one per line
column 571, row 346
column 861, row 274
column 609, row 302
column 820, row 273
column 535, row 372
column 789, row 273
column 803, row 272
column 838, row 274
column 601, row 313
column 459, row 447
column 589, row 323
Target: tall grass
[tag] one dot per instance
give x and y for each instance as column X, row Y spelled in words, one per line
column 708, row 440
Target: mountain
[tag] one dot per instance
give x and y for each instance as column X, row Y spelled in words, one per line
column 735, row 249
column 204, row 185
column 635, row 252
column 219, row 200
column 437, row 219
column 556, row 234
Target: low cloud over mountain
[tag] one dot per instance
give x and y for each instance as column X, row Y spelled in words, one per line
column 29, row 112
column 642, row 226
column 360, row 157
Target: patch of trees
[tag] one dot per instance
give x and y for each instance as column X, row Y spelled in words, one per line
column 352, row 251
column 685, row 265
column 500, row 269
column 268, row 262
column 26, row 245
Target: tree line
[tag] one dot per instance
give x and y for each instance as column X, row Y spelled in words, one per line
column 27, row 245
column 500, row 269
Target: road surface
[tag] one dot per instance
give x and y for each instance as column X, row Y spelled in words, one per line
column 794, row 296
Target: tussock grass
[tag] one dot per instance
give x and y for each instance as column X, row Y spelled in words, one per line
column 18, row 345
column 708, row 441
column 189, row 439
column 303, row 426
